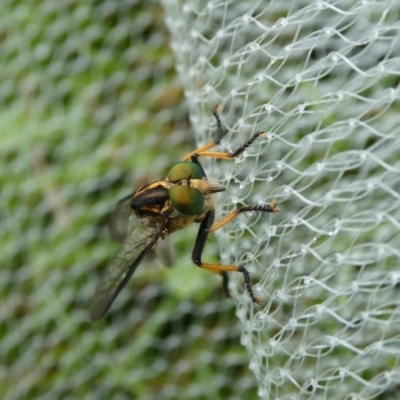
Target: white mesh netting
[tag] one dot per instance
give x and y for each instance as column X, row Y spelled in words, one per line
column 322, row 79
column 90, row 100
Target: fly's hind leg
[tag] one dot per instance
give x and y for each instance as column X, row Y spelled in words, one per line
column 207, row 226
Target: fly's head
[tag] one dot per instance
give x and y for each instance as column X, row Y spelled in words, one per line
column 190, row 192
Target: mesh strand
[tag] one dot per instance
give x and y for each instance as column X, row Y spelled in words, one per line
column 322, row 79
column 92, row 109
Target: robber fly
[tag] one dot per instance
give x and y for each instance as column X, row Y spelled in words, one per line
column 162, row 207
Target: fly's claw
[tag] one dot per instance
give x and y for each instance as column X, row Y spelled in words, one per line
column 273, row 205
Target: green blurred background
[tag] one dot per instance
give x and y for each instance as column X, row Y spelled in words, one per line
column 91, row 108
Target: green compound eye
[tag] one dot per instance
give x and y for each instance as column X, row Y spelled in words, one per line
column 184, row 170
column 187, row 200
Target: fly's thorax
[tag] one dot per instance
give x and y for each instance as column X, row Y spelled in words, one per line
column 152, row 200
column 179, row 222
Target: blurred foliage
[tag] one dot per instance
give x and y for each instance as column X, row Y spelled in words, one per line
column 91, row 109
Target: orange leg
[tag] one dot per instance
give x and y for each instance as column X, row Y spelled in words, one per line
column 203, row 151
column 234, row 213
column 223, row 269
column 200, row 150
column 207, row 226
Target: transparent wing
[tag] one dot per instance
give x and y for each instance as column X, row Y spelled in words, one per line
column 118, row 226
column 165, row 252
column 137, row 243
column 119, row 219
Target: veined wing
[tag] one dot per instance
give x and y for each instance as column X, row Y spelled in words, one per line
column 118, row 227
column 121, row 267
column 119, row 219
column 165, row 252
